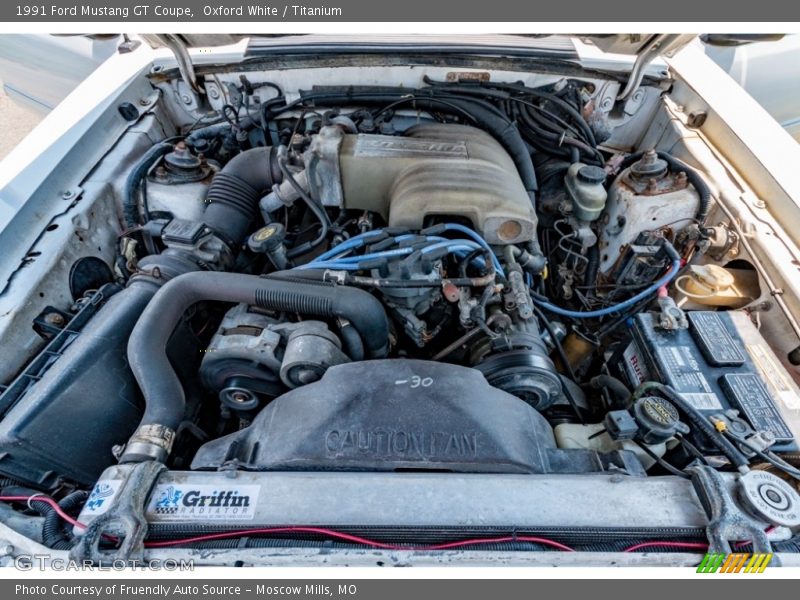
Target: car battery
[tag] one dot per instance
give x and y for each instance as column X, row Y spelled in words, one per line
column 720, row 362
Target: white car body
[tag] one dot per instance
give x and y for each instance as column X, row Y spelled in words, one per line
column 53, row 184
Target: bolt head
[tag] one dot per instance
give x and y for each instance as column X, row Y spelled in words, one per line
column 54, row 319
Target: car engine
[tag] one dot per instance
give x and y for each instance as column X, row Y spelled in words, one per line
column 351, row 288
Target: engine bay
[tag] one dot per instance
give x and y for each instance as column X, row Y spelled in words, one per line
column 493, row 291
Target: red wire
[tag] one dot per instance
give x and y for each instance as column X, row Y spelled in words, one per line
column 359, row 540
column 245, row 532
column 518, row 538
column 668, row 544
column 356, row 539
column 688, row 545
column 46, row 500
column 319, row 530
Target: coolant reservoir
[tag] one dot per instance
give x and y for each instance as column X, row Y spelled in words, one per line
column 584, row 184
column 593, row 436
column 712, row 285
column 646, row 196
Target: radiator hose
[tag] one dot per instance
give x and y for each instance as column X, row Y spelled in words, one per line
column 147, row 356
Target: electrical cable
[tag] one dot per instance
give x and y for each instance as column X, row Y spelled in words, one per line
column 770, row 457
column 665, row 279
column 316, row 209
column 47, row 500
column 697, row 418
column 471, row 234
column 661, row 462
column 668, row 544
column 332, row 533
column 359, row 540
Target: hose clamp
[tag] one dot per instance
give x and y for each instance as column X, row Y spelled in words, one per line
column 149, row 442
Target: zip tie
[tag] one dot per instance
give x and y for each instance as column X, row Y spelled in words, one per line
column 34, row 498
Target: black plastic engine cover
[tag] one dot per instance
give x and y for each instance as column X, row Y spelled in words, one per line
column 386, row 415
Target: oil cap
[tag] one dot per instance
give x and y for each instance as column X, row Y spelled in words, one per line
column 658, row 420
column 769, row 498
column 267, row 239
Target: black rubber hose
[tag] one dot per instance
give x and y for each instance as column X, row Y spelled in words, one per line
column 207, row 133
column 694, row 177
column 53, row 528
column 235, row 191
column 501, row 91
column 592, row 265
column 560, row 102
column 618, row 390
column 353, row 346
column 731, row 452
column 317, row 210
column 8, row 482
column 130, row 202
column 163, row 391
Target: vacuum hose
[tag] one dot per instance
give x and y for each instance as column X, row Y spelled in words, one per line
column 147, row 355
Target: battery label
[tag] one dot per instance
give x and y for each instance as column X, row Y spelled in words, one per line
column 719, row 362
column 749, row 393
column 635, row 366
column 776, row 381
column 682, row 371
column 717, row 345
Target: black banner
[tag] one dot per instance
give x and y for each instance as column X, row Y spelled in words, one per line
column 384, row 589
column 297, row 11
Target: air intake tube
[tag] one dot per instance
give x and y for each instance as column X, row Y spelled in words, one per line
column 235, row 191
column 162, row 390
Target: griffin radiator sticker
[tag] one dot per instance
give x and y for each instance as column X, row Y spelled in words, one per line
column 180, row 502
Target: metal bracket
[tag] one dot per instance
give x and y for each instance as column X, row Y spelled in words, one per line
column 124, row 521
column 659, row 45
column 185, row 65
column 128, row 45
column 726, row 521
